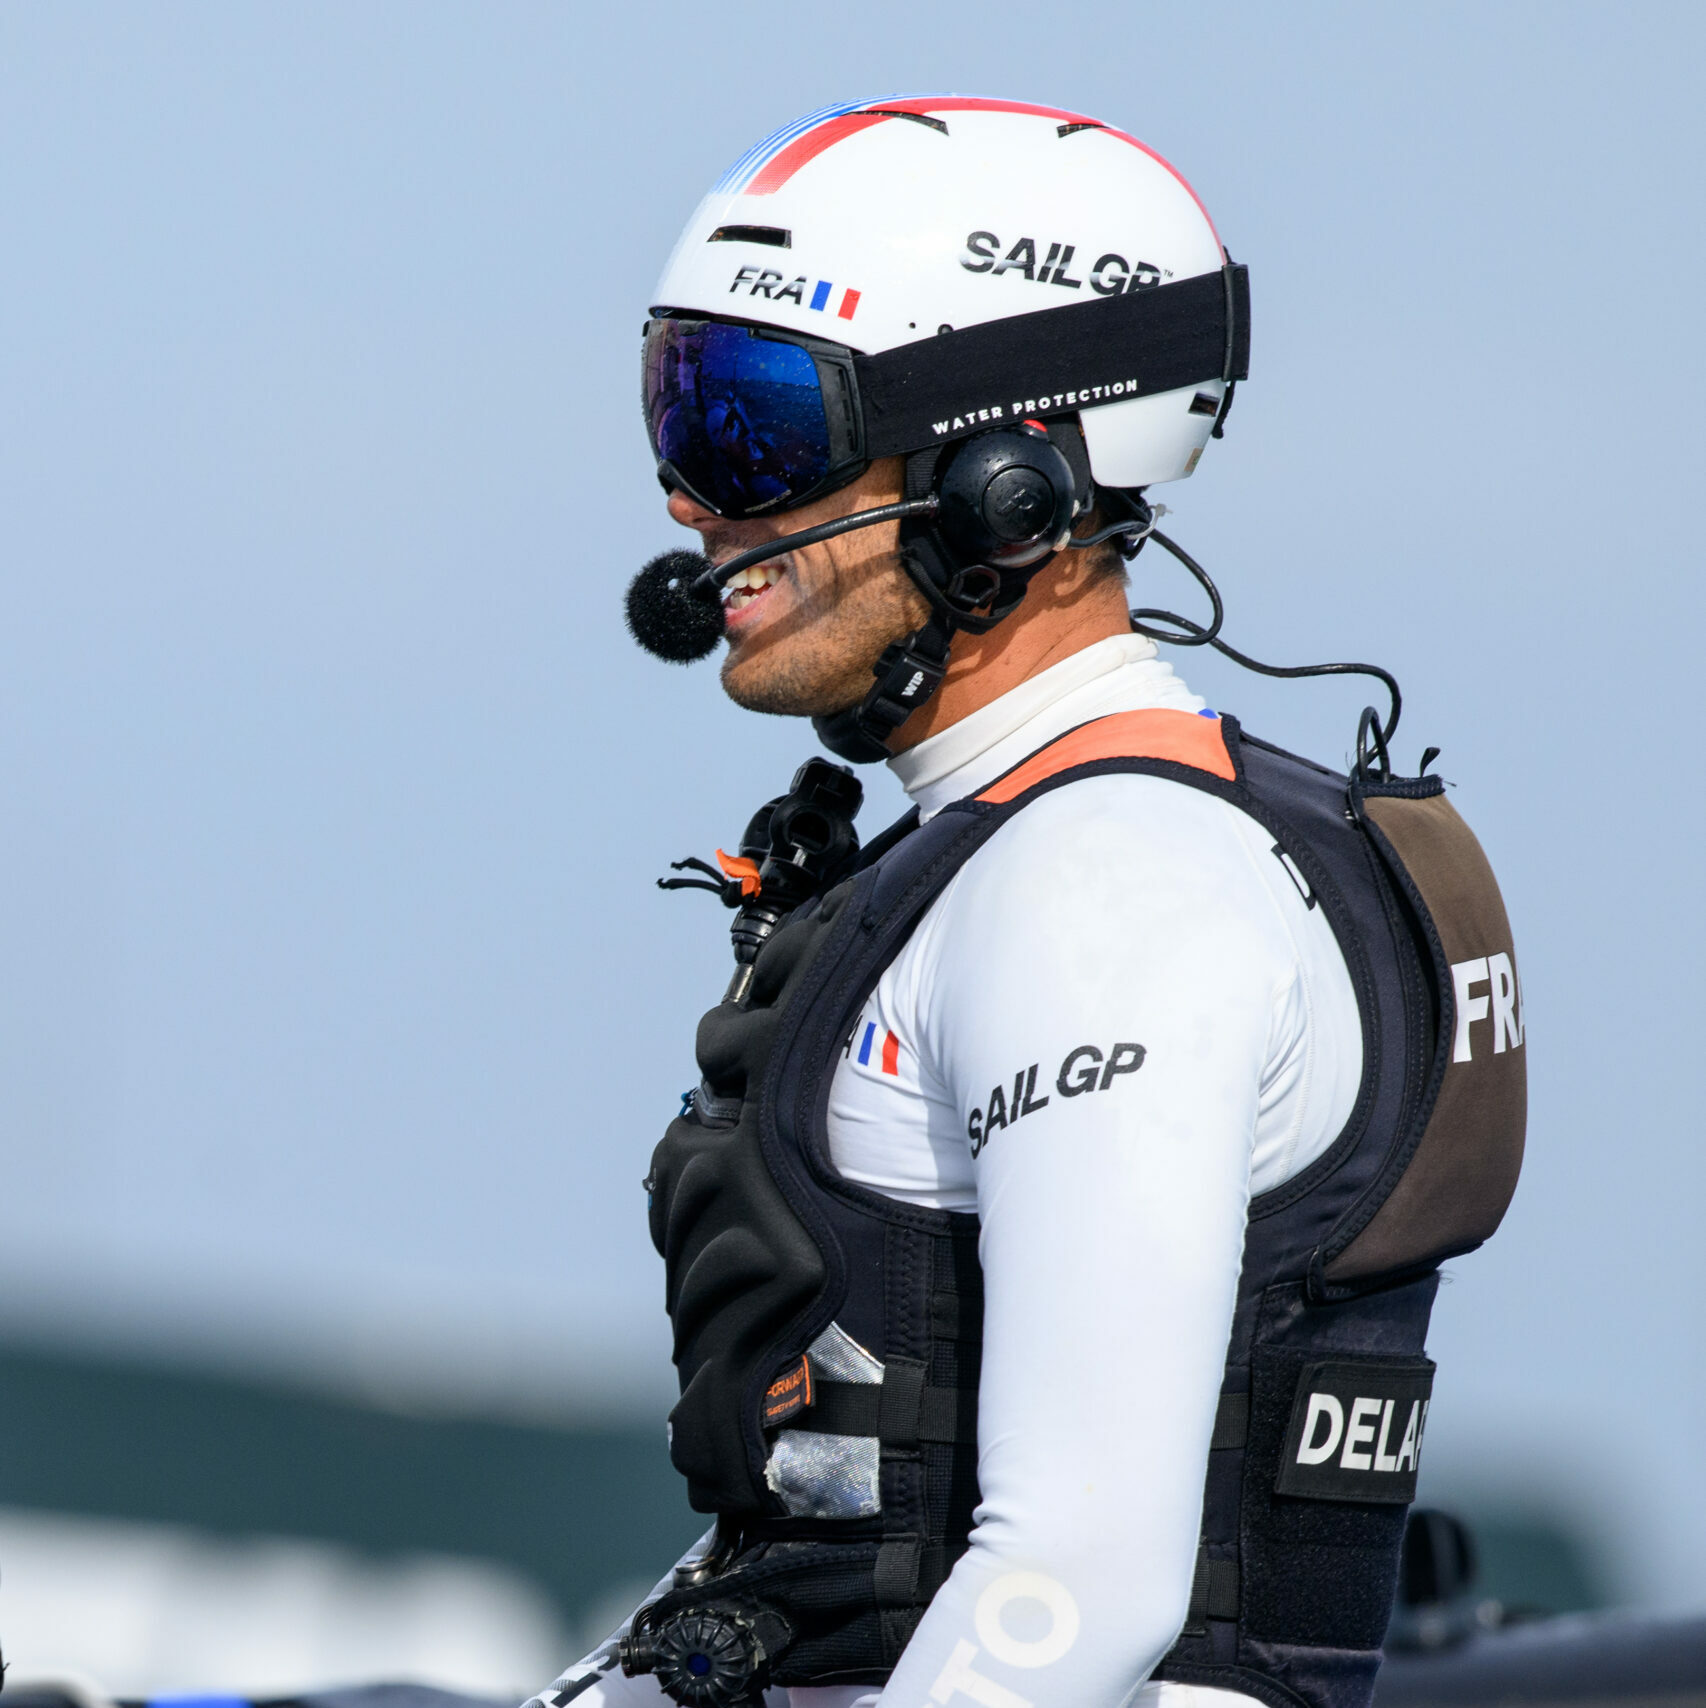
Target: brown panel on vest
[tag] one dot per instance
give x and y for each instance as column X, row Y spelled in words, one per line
column 1185, row 738
column 1460, row 1180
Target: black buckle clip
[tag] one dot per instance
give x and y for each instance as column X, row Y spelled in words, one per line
column 907, row 677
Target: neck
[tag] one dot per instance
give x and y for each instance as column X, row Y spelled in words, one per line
column 1071, row 604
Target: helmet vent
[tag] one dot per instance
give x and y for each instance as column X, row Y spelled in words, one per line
column 1082, row 124
column 917, row 118
column 773, row 235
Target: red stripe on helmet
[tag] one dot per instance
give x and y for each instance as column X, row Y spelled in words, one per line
column 781, row 167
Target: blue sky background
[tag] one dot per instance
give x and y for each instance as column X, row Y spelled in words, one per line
column 337, row 1012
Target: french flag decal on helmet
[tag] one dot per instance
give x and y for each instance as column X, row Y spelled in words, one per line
column 849, row 299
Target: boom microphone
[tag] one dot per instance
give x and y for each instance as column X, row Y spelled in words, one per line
column 667, row 613
column 674, row 605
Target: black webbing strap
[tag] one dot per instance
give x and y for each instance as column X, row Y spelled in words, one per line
column 903, row 1410
column 900, row 1411
column 1215, row 1583
column 908, row 1573
column 1055, row 359
column 954, row 1316
column 1231, row 1423
column 1214, row 1589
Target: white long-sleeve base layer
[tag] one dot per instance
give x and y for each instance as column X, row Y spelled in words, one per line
column 1112, row 914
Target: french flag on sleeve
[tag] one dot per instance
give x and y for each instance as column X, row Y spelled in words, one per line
column 888, row 1049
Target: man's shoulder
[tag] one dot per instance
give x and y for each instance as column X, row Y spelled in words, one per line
column 1113, row 835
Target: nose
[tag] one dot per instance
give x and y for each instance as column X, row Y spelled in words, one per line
column 689, row 512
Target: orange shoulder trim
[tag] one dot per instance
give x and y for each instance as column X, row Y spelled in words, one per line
column 1185, row 738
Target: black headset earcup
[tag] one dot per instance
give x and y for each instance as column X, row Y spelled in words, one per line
column 1007, row 498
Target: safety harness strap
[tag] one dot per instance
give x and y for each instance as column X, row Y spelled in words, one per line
column 953, row 1316
column 900, row 1411
column 1214, row 1589
column 1231, row 1423
column 908, row 1573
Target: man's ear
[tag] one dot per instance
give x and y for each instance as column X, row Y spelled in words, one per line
column 1098, row 564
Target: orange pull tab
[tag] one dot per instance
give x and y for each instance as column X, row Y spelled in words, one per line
column 738, row 866
column 791, row 1392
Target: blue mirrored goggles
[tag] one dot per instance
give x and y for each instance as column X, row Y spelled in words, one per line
column 749, row 421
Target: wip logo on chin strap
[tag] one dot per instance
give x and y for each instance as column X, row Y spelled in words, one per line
column 1356, row 1432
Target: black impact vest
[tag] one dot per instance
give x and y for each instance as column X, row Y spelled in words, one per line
column 828, row 1338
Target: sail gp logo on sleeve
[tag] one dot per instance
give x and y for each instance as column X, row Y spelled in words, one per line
column 1356, row 1431
column 1085, row 1069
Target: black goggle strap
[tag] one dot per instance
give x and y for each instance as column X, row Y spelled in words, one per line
column 1133, row 345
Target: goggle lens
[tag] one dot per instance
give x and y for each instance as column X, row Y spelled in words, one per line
column 738, row 417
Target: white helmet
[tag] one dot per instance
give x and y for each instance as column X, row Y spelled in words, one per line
column 879, row 224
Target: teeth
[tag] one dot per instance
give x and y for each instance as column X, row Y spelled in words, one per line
column 745, row 586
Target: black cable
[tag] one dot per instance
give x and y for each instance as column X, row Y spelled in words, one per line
column 714, row 578
column 1135, row 532
column 1190, row 634
column 1194, row 634
column 1136, row 526
column 1382, row 732
column 1371, row 745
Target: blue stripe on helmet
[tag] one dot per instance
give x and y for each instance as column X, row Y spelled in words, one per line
column 746, row 168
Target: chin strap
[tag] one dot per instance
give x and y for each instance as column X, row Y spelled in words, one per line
column 971, row 598
column 910, row 670
column 907, row 674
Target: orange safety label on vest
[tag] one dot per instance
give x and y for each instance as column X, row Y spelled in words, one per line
column 791, row 1392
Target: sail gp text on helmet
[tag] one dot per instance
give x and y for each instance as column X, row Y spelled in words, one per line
column 1111, row 275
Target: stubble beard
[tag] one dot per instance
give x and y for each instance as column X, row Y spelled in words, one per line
column 817, row 660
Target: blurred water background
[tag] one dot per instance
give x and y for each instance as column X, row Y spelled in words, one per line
column 338, row 1014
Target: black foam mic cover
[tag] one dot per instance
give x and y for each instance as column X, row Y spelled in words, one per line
column 668, row 615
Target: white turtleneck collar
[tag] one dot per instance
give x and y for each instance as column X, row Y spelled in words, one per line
column 1120, row 674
